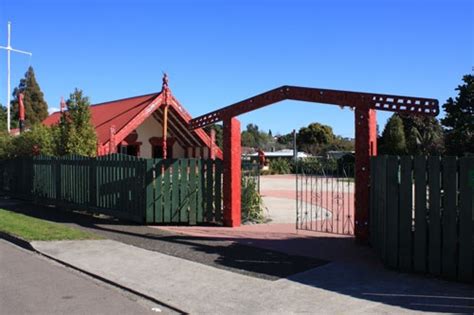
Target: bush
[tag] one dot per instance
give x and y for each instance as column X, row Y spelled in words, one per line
column 346, row 165
column 251, row 201
column 37, row 140
column 6, row 145
column 280, row 166
column 318, row 166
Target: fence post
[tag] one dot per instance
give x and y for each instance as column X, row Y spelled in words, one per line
column 420, row 248
column 406, row 214
column 434, row 249
column 93, row 182
column 149, row 191
column 392, row 211
column 449, row 249
column 58, row 181
column 466, row 219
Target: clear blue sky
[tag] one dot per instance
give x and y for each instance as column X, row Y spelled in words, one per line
column 220, row 52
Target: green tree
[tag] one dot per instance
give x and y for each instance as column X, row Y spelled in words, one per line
column 37, row 140
column 315, row 138
column 3, row 118
column 219, row 133
column 250, row 136
column 253, row 137
column 423, row 134
column 393, row 137
column 342, row 144
column 459, row 119
column 36, row 108
column 75, row 133
column 5, row 144
column 286, row 140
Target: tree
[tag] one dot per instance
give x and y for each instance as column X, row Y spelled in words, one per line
column 342, row 144
column 315, row 138
column 423, row 134
column 5, row 144
column 459, row 120
column 286, row 140
column 253, row 137
column 36, row 108
column 75, row 134
column 37, row 140
column 393, row 137
column 3, row 118
column 219, row 133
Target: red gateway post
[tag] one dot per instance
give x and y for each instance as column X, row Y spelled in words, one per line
column 232, row 172
column 365, row 147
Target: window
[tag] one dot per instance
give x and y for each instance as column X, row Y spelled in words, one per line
column 157, row 147
column 131, row 149
column 157, row 151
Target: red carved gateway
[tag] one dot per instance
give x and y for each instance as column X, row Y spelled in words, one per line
column 364, row 105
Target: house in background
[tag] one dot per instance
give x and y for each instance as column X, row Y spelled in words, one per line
column 280, row 154
column 150, row 126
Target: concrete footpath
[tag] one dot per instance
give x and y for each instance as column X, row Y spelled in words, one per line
column 338, row 287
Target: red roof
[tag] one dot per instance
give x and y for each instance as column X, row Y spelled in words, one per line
column 120, row 113
column 117, row 113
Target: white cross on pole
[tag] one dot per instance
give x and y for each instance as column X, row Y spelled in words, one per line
column 9, row 49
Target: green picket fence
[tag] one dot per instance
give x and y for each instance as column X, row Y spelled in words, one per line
column 184, row 191
column 142, row 190
column 422, row 214
column 15, row 177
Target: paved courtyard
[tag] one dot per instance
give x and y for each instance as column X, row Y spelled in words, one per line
column 321, row 198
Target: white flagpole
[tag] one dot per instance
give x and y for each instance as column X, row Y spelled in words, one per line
column 8, row 76
column 9, row 49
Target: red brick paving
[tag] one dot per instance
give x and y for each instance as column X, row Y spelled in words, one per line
column 340, row 205
column 285, row 237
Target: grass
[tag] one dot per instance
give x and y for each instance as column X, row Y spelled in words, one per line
column 32, row 229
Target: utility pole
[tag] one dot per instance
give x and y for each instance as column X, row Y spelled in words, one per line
column 9, row 49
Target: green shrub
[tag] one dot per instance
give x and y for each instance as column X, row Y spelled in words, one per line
column 5, row 145
column 319, row 166
column 346, row 165
column 265, row 172
column 280, row 166
column 37, row 140
column 251, row 201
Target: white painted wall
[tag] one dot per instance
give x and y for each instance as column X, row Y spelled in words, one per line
column 152, row 128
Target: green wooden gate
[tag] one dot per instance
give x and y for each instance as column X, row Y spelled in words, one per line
column 422, row 214
column 184, row 191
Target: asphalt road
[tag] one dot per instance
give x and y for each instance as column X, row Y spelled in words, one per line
column 32, row 284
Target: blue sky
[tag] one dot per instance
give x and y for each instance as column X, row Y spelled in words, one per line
column 220, row 52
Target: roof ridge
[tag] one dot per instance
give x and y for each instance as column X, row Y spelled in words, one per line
column 126, row 98
column 103, row 103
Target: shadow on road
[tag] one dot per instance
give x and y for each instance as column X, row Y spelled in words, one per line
column 362, row 278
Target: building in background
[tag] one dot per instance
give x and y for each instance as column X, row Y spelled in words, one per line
column 150, row 126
